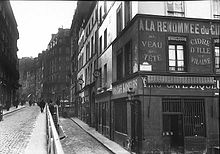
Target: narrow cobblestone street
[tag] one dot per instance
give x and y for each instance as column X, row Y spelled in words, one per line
column 78, row 141
column 15, row 130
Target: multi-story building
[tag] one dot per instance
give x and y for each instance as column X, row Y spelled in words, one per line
column 157, row 74
column 56, row 67
column 9, row 70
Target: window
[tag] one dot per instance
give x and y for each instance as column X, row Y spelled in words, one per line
column 100, row 77
column 216, row 9
column 100, row 45
column 175, row 8
column 96, row 41
column 87, row 51
column 176, row 57
column 105, row 7
column 96, row 14
column 100, row 14
column 217, row 59
column 92, row 46
column 128, row 58
column 176, row 53
column 119, row 20
column 105, row 74
column 127, row 11
column 191, row 111
column 119, row 65
column 105, row 38
column 121, row 117
column 86, row 76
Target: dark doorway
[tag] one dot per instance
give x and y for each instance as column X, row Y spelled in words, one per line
column 135, row 125
column 173, row 126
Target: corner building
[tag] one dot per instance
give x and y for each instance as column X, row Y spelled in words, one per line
column 157, row 75
column 174, row 102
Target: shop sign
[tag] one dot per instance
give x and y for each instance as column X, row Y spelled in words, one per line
column 157, row 79
column 124, row 87
column 176, row 82
column 176, row 86
column 171, row 26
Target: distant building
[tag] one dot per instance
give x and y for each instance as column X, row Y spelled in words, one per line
column 148, row 73
column 9, row 70
column 55, row 67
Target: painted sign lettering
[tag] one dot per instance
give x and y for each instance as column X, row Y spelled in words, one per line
column 178, row 27
column 200, row 51
column 124, row 87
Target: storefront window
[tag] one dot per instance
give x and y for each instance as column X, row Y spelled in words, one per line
column 121, row 117
column 181, row 113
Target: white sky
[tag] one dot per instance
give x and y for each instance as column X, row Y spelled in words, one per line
column 37, row 20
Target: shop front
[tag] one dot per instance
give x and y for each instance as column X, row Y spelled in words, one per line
column 164, row 89
column 158, row 113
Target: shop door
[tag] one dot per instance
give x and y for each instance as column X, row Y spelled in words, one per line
column 135, row 126
column 177, row 139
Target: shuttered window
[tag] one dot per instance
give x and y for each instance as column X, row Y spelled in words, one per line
column 193, row 111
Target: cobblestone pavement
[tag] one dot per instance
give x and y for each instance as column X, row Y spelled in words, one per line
column 78, row 141
column 15, row 130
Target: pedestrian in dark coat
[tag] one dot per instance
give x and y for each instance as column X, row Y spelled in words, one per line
column 42, row 105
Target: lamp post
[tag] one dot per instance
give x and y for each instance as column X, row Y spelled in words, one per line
column 135, row 125
column 80, row 81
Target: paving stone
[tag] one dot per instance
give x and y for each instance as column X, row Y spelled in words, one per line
column 78, row 141
column 15, row 130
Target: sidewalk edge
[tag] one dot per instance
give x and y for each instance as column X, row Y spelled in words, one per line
column 87, row 131
column 14, row 110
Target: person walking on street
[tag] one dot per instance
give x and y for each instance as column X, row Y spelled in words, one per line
column 42, row 105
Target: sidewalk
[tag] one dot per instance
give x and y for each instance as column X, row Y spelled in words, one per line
column 13, row 109
column 111, row 145
column 38, row 138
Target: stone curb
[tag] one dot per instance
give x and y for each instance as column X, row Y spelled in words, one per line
column 14, row 110
column 112, row 149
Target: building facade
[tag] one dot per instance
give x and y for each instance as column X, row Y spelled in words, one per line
column 56, row 67
column 152, row 84
column 9, row 67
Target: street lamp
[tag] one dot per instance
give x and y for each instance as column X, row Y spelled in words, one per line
column 133, row 139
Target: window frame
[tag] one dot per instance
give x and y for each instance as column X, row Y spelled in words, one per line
column 174, row 11
column 216, row 44
column 119, row 22
column 182, row 41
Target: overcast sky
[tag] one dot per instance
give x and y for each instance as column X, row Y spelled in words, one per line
column 37, row 20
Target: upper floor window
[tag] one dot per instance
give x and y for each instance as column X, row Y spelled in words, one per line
column 92, row 46
column 176, row 53
column 127, row 11
column 176, row 8
column 105, row 73
column 128, row 58
column 216, row 9
column 176, row 57
column 217, row 59
column 96, row 41
column 105, row 38
column 119, row 19
column 100, row 45
column 100, row 14
column 87, row 51
column 119, row 65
